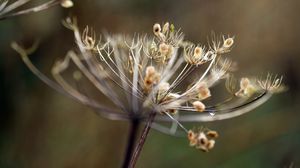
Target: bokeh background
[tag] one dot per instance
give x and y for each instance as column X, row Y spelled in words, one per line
column 42, row 128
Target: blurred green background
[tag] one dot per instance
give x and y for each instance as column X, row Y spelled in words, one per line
column 42, row 128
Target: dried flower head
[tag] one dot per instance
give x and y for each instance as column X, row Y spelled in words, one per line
column 202, row 139
column 146, row 75
column 272, row 84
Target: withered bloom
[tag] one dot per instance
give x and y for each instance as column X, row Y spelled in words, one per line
column 144, row 75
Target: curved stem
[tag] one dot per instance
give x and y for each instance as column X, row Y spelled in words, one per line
column 142, row 140
column 41, row 7
column 134, row 126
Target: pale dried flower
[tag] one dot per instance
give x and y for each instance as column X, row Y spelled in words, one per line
column 272, row 84
column 143, row 75
column 202, row 139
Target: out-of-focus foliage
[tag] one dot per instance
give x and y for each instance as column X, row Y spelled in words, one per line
column 42, row 128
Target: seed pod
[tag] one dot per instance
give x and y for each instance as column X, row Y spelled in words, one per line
column 228, row 43
column 212, row 134
column 156, row 29
column 66, row 3
column 199, row 106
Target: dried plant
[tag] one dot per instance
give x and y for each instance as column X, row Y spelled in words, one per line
column 158, row 80
column 8, row 9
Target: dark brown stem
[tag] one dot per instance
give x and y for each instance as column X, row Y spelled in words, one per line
column 142, row 140
column 133, row 132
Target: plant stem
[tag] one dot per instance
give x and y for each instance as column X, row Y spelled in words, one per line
column 17, row 4
column 134, row 126
column 142, row 140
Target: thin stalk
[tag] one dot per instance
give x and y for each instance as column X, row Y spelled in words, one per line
column 41, row 7
column 132, row 134
column 142, row 140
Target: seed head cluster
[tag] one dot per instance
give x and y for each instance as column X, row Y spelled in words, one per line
column 163, row 74
column 202, row 139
